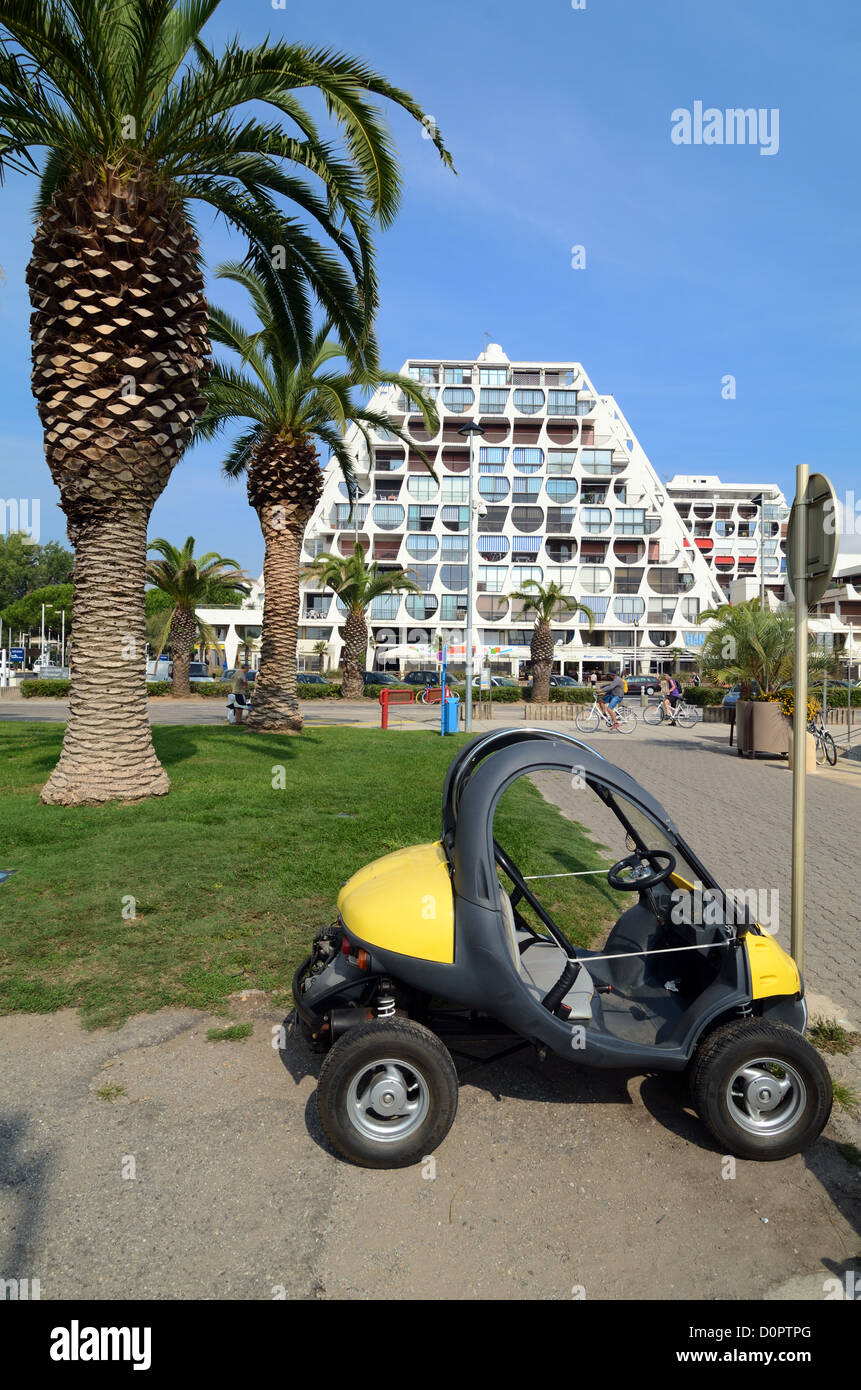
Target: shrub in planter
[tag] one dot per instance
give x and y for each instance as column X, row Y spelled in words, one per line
column 837, row 697
column 212, row 689
column 372, row 692
column 47, row 688
column 704, row 695
column 159, row 687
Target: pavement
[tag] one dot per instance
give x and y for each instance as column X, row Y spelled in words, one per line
column 149, row 1162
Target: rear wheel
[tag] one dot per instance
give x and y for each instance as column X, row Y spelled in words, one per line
column 588, row 721
column 761, row 1088
column 820, row 749
column 387, row 1093
column 830, row 748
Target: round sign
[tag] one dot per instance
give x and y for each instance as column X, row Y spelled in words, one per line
column 822, row 523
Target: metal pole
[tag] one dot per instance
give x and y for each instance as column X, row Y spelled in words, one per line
column 470, row 579
column 761, row 553
column 799, row 727
column 63, row 651
column 42, row 647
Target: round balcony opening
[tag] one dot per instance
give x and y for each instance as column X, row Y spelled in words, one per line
column 527, row 519
column 492, row 607
column 421, row 606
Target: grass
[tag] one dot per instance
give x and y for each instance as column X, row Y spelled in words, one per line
column 237, row 1032
column 846, row 1096
column 830, row 1036
column 110, row 1092
column 230, row 877
column 851, row 1153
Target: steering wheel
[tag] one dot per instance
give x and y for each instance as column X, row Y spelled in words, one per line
column 662, row 864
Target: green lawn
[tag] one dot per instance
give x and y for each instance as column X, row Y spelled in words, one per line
column 230, row 876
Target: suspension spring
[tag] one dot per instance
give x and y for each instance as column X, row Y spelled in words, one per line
column 385, row 1000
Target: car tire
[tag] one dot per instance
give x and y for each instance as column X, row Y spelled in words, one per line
column 424, row 1087
column 732, row 1060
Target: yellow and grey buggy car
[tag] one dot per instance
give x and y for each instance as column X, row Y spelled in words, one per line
column 433, row 942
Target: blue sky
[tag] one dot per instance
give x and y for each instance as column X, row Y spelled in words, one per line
column 701, row 261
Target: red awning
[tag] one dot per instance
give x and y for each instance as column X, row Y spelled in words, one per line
column 703, row 542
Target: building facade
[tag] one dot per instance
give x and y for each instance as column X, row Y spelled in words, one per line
column 563, row 492
column 738, row 528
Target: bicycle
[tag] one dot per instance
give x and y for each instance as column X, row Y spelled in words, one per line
column 432, row 695
column 592, row 718
column 683, row 715
column 826, row 748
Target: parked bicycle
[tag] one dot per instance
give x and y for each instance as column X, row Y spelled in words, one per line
column 432, row 695
column 826, row 748
column 588, row 720
column 684, row 715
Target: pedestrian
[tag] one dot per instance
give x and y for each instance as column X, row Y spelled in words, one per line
column 239, row 690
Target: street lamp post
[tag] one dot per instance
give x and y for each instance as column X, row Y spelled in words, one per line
column 470, row 430
column 759, row 501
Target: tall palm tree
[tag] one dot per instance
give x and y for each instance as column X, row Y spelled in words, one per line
column 546, row 603
column 357, row 584
column 189, row 582
column 290, row 402
column 138, row 118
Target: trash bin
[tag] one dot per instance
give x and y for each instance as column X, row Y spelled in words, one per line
column 450, row 714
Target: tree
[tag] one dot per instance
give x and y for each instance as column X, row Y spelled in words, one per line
column 139, row 118
column 357, row 584
column 25, row 566
column 26, row 612
column 753, row 645
column 290, row 402
column 546, row 603
column 188, row 582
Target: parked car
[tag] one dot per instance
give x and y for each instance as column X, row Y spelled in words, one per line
column 497, row 681
column 637, row 684
column 310, row 678
column 381, row 678
column 423, row 677
column 250, row 676
column 732, row 696
column 199, row 671
column 563, row 680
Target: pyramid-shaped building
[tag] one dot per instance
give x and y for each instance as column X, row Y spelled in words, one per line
column 563, row 492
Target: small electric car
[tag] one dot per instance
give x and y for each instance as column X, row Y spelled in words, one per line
column 436, row 941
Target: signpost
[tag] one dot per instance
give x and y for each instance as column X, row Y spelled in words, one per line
column 811, row 545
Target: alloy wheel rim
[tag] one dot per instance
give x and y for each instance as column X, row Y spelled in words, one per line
column 766, row 1096
column 388, row 1100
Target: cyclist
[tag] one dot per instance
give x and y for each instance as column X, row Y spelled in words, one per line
column 609, row 694
column 671, row 696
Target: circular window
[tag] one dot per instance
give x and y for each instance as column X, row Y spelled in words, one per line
column 527, row 519
column 492, row 607
column 421, row 606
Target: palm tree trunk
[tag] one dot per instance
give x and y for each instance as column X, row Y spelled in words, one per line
column 542, row 661
column 353, row 656
column 275, row 703
column 182, row 629
column 108, row 753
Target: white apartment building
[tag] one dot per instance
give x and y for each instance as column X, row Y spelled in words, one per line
column 563, row 491
column 738, row 528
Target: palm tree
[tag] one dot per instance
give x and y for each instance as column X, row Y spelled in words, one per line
column 289, row 402
column 357, row 584
column 189, row 582
column 751, row 644
column 321, row 649
column 546, row 603
column 138, row 119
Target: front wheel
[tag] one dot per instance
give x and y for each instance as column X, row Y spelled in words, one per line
column 626, row 719
column 761, row 1088
column 387, row 1093
column 653, row 714
column 830, row 748
column 687, row 718
column 588, row 721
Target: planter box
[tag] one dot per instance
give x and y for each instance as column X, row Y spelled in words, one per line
column 762, row 731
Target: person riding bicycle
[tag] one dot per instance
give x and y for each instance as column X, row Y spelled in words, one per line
column 671, row 696
column 609, row 694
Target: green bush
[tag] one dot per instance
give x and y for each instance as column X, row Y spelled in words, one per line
column 46, row 688
column 569, row 694
column 837, row 696
column 211, row 689
column 372, row 692
column 159, row 687
column 329, row 691
column 704, row 694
